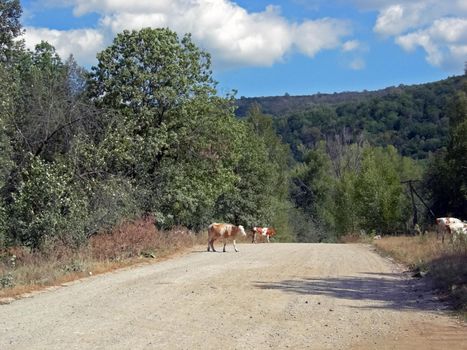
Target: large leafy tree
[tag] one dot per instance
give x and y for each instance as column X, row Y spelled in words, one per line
column 165, row 127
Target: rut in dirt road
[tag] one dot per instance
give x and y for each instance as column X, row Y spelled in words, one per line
column 302, row 296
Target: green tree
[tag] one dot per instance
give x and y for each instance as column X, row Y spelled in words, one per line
column 312, row 191
column 279, row 160
column 10, row 27
column 248, row 202
column 345, row 204
column 165, row 127
column 445, row 178
column 150, row 72
column 382, row 205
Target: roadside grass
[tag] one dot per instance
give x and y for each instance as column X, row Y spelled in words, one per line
column 23, row 270
column 445, row 263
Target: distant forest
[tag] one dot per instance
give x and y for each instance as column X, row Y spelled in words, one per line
column 413, row 118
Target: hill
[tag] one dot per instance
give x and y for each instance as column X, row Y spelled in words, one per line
column 413, row 118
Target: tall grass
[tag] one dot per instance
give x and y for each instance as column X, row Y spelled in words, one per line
column 445, row 263
column 23, row 270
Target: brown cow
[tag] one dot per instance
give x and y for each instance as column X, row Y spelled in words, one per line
column 263, row 231
column 224, row 231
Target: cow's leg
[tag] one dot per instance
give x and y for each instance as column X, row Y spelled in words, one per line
column 267, row 238
column 235, row 247
column 211, row 245
column 254, row 238
column 225, row 243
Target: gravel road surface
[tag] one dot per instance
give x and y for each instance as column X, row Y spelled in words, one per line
column 267, row 296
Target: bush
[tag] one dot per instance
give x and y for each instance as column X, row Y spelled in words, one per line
column 47, row 205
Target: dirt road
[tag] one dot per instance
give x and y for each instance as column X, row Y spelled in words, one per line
column 267, row 296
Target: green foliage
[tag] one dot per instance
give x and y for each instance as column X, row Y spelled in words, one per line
column 312, row 189
column 445, row 177
column 413, row 119
column 150, row 70
column 10, row 27
column 276, row 207
column 249, row 200
column 346, row 208
column 168, row 131
column 46, row 205
column 7, row 280
column 379, row 193
column 346, row 188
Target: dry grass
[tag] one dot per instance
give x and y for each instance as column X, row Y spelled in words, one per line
column 23, row 270
column 446, row 263
column 354, row 238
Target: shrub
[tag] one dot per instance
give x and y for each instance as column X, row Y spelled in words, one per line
column 47, row 204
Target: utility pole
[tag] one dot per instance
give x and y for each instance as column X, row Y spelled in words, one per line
column 414, row 207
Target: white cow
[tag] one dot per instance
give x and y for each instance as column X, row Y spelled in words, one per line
column 446, row 225
column 458, row 230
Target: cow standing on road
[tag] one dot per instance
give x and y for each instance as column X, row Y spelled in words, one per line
column 224, row 231
column 264, row 232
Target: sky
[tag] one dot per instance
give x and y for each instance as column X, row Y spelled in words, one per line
column 274, row 47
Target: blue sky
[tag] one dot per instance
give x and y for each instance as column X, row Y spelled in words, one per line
column 272, row 47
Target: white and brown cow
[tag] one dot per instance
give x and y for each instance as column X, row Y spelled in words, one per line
column 264, row 232
column 224, row 231
column 446, row 225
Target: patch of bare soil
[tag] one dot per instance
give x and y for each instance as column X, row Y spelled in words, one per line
column 301, row 296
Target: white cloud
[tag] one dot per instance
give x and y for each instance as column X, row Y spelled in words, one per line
column 444, row 42
column 357, row 64
column 351, row 45
column 438, row 27
column 314, row 36
column 231, row 34
column 82, row 43
column 397, row 19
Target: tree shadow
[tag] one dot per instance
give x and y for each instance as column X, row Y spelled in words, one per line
column 391, row 290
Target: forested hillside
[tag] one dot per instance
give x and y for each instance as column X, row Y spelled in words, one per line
column 411, row 118
column 356, row 152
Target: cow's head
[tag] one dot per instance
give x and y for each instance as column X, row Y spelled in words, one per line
column 242, row 230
